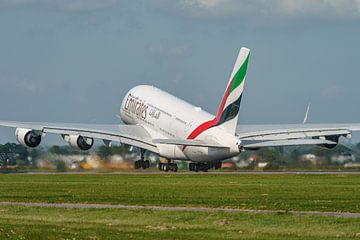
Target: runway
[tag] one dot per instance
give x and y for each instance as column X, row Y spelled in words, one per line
column 179, row 209
column 197, row 173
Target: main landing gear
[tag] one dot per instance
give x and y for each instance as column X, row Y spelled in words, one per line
column 204, row 167
column 168, row 166
column 144, row 164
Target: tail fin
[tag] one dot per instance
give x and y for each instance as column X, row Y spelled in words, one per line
column 228, row 113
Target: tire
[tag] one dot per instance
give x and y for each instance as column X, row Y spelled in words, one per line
column 217, row 165
column 147, row 164
column 205, row 168
column 196, row 167
column 191, row 166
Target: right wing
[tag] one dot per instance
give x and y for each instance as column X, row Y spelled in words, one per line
column 134, row 135
column 288, row 142
column 255, row 136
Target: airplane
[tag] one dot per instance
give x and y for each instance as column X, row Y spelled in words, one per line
column 159, row 122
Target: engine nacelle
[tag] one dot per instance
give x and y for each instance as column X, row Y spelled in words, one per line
column 79, row 142
column 329, row 146
column 28, row 137
column 333, row 138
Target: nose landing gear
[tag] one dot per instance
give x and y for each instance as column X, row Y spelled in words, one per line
column 168, row 167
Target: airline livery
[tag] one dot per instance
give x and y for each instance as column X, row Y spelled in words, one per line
column 161, row 123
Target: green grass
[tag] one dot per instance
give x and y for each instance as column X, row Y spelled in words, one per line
column 278, row 192
column 54, row 223
column 340, row 193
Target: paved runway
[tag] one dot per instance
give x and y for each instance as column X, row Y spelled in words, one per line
column 201, row 173
column 179, row 209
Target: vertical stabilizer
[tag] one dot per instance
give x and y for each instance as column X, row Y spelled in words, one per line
column 306, row 114
column 228, row 113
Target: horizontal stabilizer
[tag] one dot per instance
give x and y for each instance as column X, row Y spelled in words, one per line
column 193, row 143
column 290, row 142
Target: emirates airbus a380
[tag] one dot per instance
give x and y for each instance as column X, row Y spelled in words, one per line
column 161, row 123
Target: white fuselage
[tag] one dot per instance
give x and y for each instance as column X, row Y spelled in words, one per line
column 165, row 116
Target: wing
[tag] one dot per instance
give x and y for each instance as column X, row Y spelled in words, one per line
column 134, row 135
column 193, row 143
column 293, row 134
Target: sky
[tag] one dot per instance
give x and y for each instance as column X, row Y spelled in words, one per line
column 74, row 60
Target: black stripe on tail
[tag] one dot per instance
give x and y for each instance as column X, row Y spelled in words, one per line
column 230, row 111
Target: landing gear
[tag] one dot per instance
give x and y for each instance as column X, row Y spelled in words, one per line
column 204, row 167
column 217, row 165
column 144, row 164
column 196, row 167
column 168, row 166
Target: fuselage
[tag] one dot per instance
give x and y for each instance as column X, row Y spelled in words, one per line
column 167, row 117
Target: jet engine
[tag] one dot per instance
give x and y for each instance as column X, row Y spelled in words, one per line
column 79, row 142
column 28, row 138
column 333, row 138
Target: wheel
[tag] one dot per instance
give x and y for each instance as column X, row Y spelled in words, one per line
column 147, row 164
column 136, row 165
column 217, row 165
column 196, row 167
column 166, row 167
column 191, row 166
column 171, row 166
column 205, row 167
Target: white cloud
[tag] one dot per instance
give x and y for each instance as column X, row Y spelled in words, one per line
column 333, row 92
column 66, row 5
column 179, row 50
column 218, row 8
column 16, row 3
column 87, row 5
column 22, row 83
column 264, row 8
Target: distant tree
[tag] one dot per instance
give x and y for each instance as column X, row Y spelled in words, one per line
column 104, row 151
column 55, row 149
column 60, row 166
column 119, row 149
column 11, row 153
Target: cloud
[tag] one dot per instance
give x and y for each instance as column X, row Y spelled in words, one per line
column 333, row 92
column 277, row 9
column 65, row 5
column 274, row 9
column 174, row 51
column 22, row 83
column 87, row 5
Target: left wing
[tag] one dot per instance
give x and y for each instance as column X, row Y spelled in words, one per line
column 134, row 135
column 290, row 134
column 193, row 143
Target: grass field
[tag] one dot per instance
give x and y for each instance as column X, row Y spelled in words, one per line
column 339, row 193
column 52, row 223
column 275, row 192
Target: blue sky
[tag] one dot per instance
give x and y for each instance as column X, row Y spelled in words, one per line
column 74, row 60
